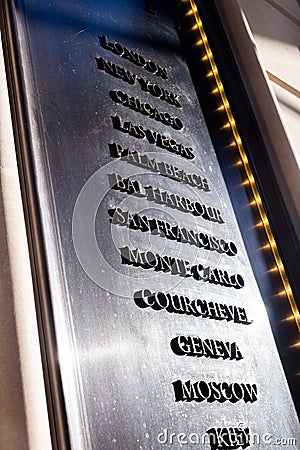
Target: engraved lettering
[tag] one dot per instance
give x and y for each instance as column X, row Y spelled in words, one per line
column 197, row 307
column 134, row 57
column 210, row 348
column 159, row 92
column 166, row 230
column 173, row 201
column 146, row 109
column 165, row 263
column 228, row 438
column 126, row 185
column 116, row 71
column 153, row 137
column 131, row 78
column 211, row 391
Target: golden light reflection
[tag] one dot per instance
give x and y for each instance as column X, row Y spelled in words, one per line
column 238, row 164
column 281, row 293
column 227, row 125
column 189, row 13
column 288, row 319
column 296, row 345
column 274, row 269
column 199, row 42
column 259, row 224
column 238, row 142
column 231, row 144
column 265, row 247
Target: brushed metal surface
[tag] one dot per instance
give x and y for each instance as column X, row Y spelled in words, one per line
column 115, row 358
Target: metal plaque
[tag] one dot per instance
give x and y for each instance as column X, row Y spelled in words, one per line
column 162, row 335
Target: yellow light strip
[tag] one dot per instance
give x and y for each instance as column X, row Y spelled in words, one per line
column 225, row 106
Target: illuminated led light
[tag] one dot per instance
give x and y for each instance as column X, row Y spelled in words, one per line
column 288, row 319
column 227, row 125
column 232, row 144
column 238, row 164
column 292, row 317
column 264, row 222
column 189, row 13
column 294, row 345
column 281, row 294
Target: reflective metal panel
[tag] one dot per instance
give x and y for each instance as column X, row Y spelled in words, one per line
column 161, row 330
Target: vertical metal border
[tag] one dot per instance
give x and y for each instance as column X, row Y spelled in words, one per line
column 54, row 393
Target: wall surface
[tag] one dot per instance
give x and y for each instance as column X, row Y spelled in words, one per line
column 275, row 26
column 264, row 38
